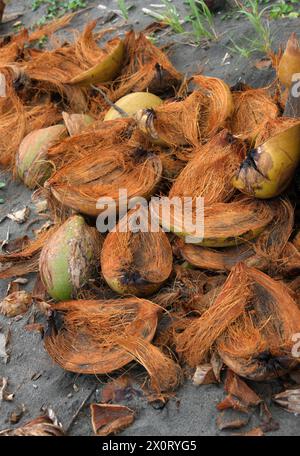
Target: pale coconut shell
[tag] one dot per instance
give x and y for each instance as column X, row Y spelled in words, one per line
column 32, row 164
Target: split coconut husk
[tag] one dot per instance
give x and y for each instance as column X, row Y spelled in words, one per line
column 251, row 323
column 80, row 184
column 218, row 225
column 147, row 69
column 165, row 374
column 219, row 106
column 133, row 261
column 273, row 127
column 87, row 342
column 289, row 64
column 70, row 257
column 269, row 252
column 252, row 108
column 193, row 120
column 268, row 170
column 209, row 173
column 32, row 164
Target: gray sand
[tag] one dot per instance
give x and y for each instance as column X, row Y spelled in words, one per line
column 193, row 410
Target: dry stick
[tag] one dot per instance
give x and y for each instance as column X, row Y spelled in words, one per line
column 109, row 102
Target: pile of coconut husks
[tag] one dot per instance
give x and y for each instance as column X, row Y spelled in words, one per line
column 82, row 121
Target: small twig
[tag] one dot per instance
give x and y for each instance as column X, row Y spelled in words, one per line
column 109, row 102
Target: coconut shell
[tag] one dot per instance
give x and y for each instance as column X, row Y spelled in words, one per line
column 136, row 262
column 32, row 164
column 131, row 103
column 69, row 258
column 87, row 343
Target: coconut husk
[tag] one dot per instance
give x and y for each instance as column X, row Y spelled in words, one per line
column 88, row 342
column 190, row 291
column 174, row 123
column 224, row 224
column 273, row 127
column 96, row 137
column 165, row 374
column 219, row 106
column 147, row 69
column 81, row 183
column 210, row 172
column 26, row 260
column 269, row 252
column 14, row 50
column 252, row 109
column 17, row 121
column 51, row 71
column 136, row 262
column 251, row 323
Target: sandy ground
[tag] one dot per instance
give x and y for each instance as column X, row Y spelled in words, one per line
column 193, row 410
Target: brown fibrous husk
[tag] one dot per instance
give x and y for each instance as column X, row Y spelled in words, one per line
column 89, row 340
column 252, row 109
column 209, row 173
column 81, row 183
column 251, row 322
column 147, row 69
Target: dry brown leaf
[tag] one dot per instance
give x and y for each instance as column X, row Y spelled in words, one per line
column 109, row 419
column 204, row 375
column 289, row 400
column 236, row 386
column 231, row 402
column 41, row 426
column 15, row 303
column 225, row 422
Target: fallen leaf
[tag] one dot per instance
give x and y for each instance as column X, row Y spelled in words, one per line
column 35, row 327
column 237, row 387
column 255, row 432
column 19, row 216
column 204, row 375
column 231, row 402
column 4, row 395
column 15, row 303
column 268, row 424
column 15, row 245
column 217, row 365
column 109, row 419
column 4, row 338
column 117, row 390
column 17, row 414
column 41, row 426
column 263, row 63
column 225, row 422
column 289, row 400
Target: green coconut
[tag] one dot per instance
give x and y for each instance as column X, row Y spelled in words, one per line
column 31, row 159
column 70, row 258
column 132, row 103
